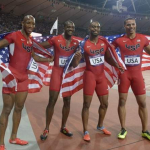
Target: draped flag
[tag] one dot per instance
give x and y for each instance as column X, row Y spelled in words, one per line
column 72, row 78
column 145, row 56
column 36, row 77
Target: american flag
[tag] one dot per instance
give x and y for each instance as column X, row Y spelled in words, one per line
column 73, row 77
column 72, row 81
column 36, row 79
column 42, row 76
column 145, row 56
column 9, row 83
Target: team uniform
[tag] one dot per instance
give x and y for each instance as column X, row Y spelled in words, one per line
column 20, row 55
column 131, row 53
column 94, row 77
column 61, row 55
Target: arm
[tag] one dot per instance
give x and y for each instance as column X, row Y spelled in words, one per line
column 45, row 44
column 147, row 49
column 111, row 61
column 4, row 43
column 41, row 59
column 76, row 59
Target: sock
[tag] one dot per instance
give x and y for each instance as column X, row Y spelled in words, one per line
column 86, row 132
column 100, row 128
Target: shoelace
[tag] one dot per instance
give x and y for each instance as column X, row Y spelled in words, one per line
column 45, row 132
column 123, row 131
column 147, row 132
column 65, row 129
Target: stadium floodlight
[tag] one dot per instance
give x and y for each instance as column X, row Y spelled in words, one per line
column 119, row 6
column 78, row 7
column 95, row 11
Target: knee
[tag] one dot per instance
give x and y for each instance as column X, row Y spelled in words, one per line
column 18, row 109
column 104, row 106
column 67, row 102
column 52, row 102
column 7, row 110
column 142, row 105
column 86, row 105
column 122, row 102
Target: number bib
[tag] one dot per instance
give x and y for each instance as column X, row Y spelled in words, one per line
column 132, row 60
column 62, row 61
column 96, row 60
column 32, row 66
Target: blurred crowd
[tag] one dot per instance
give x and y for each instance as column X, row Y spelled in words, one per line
column 10, row 22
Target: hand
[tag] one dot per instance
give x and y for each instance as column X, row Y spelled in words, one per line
column 78, row 55
column 76, row 59
column 120, row 68
column 51, row 59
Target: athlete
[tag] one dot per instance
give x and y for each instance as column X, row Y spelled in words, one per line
column 64, row 46
column 19, row 59
column 131, row 48
column 95, row 51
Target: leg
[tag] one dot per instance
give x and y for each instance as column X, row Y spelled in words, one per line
column 89, row 84
column 102, row 93
column 85, row 111
column 65, row 111
column 123, row 88
column 49, row 113
column 141, row 100
column 121, row 108
column 65, row 114
column 50, row 107
column 55, row 84
column 20, row 98
column 102, row 112
column 7, row 107
column 85, row 116
column 138, row 87
column 102, row 109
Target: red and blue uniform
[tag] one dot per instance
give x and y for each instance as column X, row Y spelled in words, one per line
column 131, row 53
column 94, row 77
column 61, row 54
column 20, row 55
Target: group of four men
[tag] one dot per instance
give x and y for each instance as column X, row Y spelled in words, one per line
column 131, row 47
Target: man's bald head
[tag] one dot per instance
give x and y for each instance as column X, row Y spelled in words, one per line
column 28, row 17
column 93, row 22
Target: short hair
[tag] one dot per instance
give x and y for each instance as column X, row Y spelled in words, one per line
column 68, row 21
column 130, row 18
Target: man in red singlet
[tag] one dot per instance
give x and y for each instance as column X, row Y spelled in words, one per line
column 95, row 51
column 64, row 46
column 131, row 48
column 19, row 59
